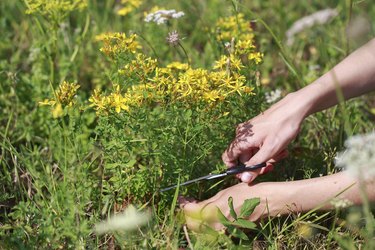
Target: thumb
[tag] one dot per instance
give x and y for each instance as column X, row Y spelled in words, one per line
column 250, row 176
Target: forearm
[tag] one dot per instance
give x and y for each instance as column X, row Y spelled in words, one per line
column 308, row 194
column 354, row 76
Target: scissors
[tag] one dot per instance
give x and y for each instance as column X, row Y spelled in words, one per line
column 230, row 171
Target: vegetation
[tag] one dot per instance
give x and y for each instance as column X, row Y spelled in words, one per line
column 104, row 103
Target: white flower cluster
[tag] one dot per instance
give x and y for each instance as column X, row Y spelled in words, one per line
column 359, row 156
column 273, row 96
column 161, row 16
column 319, row 17
column 341, row 203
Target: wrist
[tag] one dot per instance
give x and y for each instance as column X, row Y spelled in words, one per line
column 302, row 102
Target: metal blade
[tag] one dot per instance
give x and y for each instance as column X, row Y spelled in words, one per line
column 207, row 177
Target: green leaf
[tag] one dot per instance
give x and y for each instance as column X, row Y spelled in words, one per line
column 231, row 208
column 223, row 220
column 244, row 224
column 232, row 230
column 175, row 197
column 248, row 207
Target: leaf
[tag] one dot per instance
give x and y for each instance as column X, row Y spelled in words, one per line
column 248, row 207
column 231, row 208
column 232, row 230
column 223, row 220
column 244, row 224
column 175, row 197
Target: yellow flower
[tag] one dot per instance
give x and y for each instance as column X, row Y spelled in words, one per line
column 129, row 6
column 232, row 63
column 54, row 8
column 119, row 102
column 222, row 63
column 244, row 47
column 141, row 66
column 178, row 66
column 66, row 93
column 99, row 102
column 212, row 96
column 233, row 27
column 57, row 111
column 63, row 97
column 256, row 57
column 115, row 44
column 47, row 102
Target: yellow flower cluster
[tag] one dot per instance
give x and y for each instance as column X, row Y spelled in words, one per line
column 128, row 6
column 236, row 33
column 117, row 43
column 63, row 97
column 178, row 82
column 196, row 85
column 175, row 83
column 142, row 66
column 178, row 66
column 234, row 27
column 51, row 7
column 135, row 96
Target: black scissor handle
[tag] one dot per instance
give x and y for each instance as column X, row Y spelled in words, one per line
column 243, row 168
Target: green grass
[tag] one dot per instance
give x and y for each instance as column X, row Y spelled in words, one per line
column 59, row 177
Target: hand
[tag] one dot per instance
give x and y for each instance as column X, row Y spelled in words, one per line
column 265, row 137
column 201, row 214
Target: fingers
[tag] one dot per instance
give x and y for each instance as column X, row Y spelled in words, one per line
column 249, row 177
column 283, row 154
column 269, row 148
column 239, row 149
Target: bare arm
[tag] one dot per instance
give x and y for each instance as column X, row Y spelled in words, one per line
column 278, row 198
column 354, row 76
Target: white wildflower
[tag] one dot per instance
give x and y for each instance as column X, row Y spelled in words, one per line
column 341, row 203
column 319, row 17
column 359, row 156
column 162, row 16
column 273, row 96
column 130, row 219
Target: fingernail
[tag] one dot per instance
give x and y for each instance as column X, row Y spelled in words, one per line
column 247, row 177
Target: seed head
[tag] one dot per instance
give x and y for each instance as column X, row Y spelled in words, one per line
column 173, row 38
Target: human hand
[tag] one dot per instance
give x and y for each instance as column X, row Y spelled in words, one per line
column 201, row 214
column 265, row 137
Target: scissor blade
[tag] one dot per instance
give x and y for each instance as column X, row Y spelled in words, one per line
column 207, row 177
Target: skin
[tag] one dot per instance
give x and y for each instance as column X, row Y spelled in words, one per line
column 265, row 137
column 276, row 198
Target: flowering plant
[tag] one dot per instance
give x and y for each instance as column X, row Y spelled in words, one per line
column 162, row 123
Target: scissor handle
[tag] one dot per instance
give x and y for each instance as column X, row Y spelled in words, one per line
column 243, row 168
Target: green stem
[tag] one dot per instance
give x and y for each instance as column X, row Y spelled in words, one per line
column 186, row 55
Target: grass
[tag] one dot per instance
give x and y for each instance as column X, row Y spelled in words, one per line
column 61, row 176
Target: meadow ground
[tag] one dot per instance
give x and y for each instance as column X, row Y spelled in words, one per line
column 105, row 102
